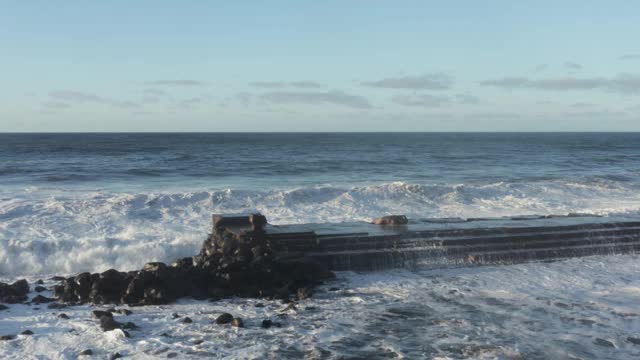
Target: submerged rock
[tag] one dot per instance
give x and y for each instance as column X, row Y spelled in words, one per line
column 87, row 352
column 391, row 220
column 603, row 342
column 27, row 332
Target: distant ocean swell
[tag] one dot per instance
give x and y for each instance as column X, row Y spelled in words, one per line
column 56, row 232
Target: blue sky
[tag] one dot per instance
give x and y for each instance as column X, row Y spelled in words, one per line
column 319, row 66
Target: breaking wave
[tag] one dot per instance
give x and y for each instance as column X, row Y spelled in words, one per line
column 46, row 231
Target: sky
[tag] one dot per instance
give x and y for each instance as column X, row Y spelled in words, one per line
column 68, row 66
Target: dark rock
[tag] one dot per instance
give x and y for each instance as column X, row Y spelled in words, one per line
column 183, row 264
column 224, row 318
column 237, row 322
column 115, row 356
column 39, row 299
column 107, row 324
column 97, row 314
column 7, row 337
column 14, row 293
column 40, row 282
column 83, row 289
column 123, row 312
column 36, row 308
column 58, row 278
column 40, row 288
column 198, row 342
column 158, row 269
column 634, row 340
column 27, row 332
column 187, row 320
column 172, row 355
column 87, row 352
column 267, row 323
column 259, row 305
column 304, row 293
column 56, row 306
column 175, row 315
column 334, row 289
column 63, row 316
column 3, row 307
column 391, row 220
column 129, row 325
column 603, row 342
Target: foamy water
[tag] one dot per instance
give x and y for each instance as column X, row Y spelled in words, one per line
column 55, row 232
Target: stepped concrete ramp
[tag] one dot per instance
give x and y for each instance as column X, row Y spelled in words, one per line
column 455, row 242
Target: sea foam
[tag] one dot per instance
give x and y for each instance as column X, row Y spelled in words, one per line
column 45, row 231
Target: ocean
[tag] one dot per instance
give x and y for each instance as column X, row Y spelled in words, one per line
column 89, row 202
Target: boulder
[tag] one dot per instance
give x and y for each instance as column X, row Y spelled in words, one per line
column 87, row 352
column 224, row 318
column 107, row 324
column 237, row 322
column 14, row 293
column 391, row 220
column 40, row 288
column 27, row 332
column 39, row 299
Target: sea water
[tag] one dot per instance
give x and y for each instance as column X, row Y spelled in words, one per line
column 89, row 202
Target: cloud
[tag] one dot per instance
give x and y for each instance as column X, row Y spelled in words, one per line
column 623, row 83
column 176, row 83
column 427, row 100
column 55, row 105
column 310, row 97
column 572, row 65
column 70, row 96
column 155, row 92
column 302, row 84
column 424, row 100
column 76, row 96
column 630, row 57
column 437, row 81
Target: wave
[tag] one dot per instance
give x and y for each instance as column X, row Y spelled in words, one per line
column 45, row 231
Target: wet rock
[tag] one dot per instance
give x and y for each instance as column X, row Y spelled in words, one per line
column 40, row 288
column 40, row 282
column 84, row 282
column 391, row 220
column 58, row 278
column 3, row 307
column 63, row 316
column 259, row 305
column 87, row 352
column 267, row 323
column 603, row 342
column 27, row 332
column 198, row 342
column 334, row 289
column 39, row 299
column 115, row 356
column 634, row 340
column 237, row 322
column 304, row 293
column 175, row 315
column 56, row 306
column 14, row 293
column 107, row 324
column 224, row 318
column 172, row 355
column 123, row 312
column 7, row 337
column 130, row 326
column 97, row 314
column 187, row 320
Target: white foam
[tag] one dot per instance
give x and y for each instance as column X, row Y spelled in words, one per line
column 52, row 231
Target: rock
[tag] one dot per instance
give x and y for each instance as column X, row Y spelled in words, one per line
column 391, row 220
column 123, row 312
column 87, row 352
column 14, row 293
column 266, row 323
column 198, row 342
column 603, row 342
column 3, row 307
column 84, row 282
column 129, row 325
column 237, row 322
column 259, row 305
column 304, row 293
column 63, row 316
column 97, row 314
column 224, row 318
column 175, row 315
column 56, row 306
column 187, row 320
column 58, row 278
column 7, row 337
column 40, row 288
column 334, row 289
column 39, row 299
column 107, row 324
column 40, row 282
column 172, row 355
column 158, row 269
column 634, row 340
column 27, row 332
column 115, row 356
